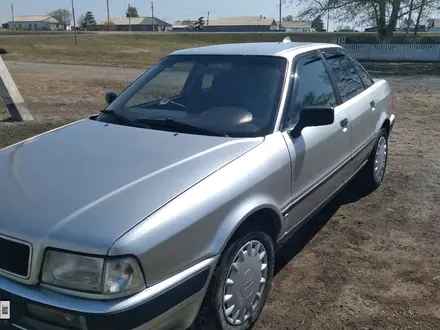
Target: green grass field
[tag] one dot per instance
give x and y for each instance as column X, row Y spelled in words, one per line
column 25, row 33
column 137, row 50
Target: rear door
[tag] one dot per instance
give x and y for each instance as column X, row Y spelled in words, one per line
column 356, row 100
column 319, row 154
column 377, row 98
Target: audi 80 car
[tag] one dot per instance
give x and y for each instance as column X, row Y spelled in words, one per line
column 164, row 210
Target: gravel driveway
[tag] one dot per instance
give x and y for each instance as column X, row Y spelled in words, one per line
column 72, row 71
column 412, row 84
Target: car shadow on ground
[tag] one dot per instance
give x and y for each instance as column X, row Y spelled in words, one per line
column 350, row 194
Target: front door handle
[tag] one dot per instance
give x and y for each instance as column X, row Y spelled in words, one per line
column 344, row 122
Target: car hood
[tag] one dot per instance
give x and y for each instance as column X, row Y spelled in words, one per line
column 83, row 185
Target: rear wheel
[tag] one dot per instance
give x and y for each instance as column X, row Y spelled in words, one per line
column 240, row 284
column 371, row 176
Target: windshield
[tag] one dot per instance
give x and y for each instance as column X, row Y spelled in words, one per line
column 233, row 95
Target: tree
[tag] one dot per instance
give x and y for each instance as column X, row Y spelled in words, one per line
column 383, row 14
column 63, row 15
column 288, row 18
column 200, row 22
column 112, row 25
column 132, row 12
column 89, row 20
column 407, row 23
column 318, row 24
column 81, row 21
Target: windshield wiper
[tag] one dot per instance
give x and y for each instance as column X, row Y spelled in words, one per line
column 171, row 123
column 123, row 118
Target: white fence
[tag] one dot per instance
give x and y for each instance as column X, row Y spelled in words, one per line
column 396, row 53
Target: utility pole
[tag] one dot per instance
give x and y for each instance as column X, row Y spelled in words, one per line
column 13, row 16
column 74, row 23
column 280, row 16
column 129, row 17
column 207, row 19
column 152, row 17
column 328, row 18
column 108, row 17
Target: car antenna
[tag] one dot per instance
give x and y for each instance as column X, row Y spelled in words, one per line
column 286, row 40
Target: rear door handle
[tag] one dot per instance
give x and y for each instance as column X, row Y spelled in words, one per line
column 344, row 122
column 373, row 105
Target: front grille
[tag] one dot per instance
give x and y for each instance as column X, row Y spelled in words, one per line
column 14, row 257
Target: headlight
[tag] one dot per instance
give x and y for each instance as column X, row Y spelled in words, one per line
column 110, row 276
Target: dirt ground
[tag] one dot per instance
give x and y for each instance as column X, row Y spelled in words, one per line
column 365, row 262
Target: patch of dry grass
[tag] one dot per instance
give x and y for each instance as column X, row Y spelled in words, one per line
column 372, row 262
column 61, row 98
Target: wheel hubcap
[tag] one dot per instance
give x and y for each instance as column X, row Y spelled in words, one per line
column 380, row 159
column 245, row 283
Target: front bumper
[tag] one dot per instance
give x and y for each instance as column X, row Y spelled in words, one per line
column 173, row 303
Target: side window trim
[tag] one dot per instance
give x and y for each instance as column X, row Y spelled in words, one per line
column 293, row 86
column 332, row 79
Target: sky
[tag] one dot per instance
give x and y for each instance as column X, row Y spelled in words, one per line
column 170, row 10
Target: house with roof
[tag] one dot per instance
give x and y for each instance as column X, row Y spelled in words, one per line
column 433, row 25
column 241, row 24
column 181, row 26
column 297, row 26
column 136, row 23
column 35, row 22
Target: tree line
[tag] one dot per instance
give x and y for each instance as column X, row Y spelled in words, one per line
column 384, row 15
column 87, row 20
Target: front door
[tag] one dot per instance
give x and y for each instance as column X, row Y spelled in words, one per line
column 319, row 154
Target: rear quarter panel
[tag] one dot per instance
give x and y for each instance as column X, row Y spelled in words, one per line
column 381, row 91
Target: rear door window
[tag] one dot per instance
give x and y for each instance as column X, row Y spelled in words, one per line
column 366, row 79
column 347, row 79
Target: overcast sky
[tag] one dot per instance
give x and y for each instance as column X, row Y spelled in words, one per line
column 171, row 10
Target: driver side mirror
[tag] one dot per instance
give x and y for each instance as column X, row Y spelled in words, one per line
column 313, row 116
column 110, row 97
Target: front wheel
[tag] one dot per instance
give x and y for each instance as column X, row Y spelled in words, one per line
column 372, row 174
column 240, row 284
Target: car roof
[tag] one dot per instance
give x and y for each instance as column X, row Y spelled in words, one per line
column 258, row 48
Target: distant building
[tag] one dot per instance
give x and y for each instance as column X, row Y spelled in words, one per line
column 297, row 26
column 35, row 23
column 181, row 26
column 137, row 24
column 370, row 29
column 241, row 24
column 433, row 25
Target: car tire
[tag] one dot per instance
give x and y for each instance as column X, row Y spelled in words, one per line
column 240, row 278
column 372, row 174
